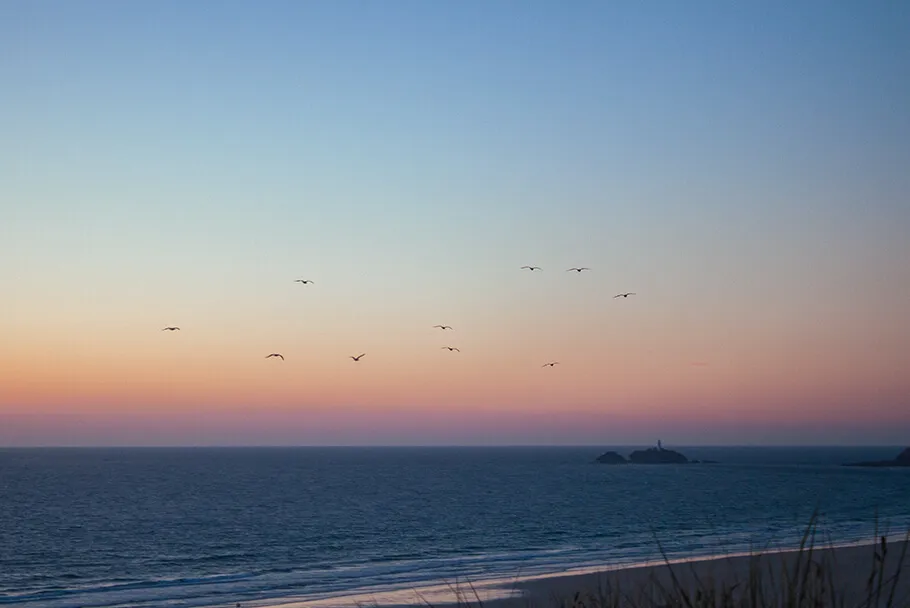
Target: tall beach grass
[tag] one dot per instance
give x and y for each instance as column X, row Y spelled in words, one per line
column 808, row 577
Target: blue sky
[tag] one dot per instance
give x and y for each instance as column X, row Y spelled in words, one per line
column 179, row 160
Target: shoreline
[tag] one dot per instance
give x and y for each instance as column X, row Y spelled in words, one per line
column 849, row 564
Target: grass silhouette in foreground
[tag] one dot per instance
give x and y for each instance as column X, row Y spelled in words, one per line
column 804, row 578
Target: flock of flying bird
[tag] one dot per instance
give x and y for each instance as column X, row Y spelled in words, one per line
column 441, row 327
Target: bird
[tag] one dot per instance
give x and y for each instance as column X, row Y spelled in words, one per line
column 304, row 281
column 275, row 355
column 624, row 295
column 357, row 358
column 577, row 269
column 443, row 327
column 550, row 364
column 451, row 348
column 171, row 329
column 531, row 268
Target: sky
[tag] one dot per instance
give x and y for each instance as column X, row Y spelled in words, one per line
column 742, row 167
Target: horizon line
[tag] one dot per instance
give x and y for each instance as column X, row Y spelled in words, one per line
column 436, row 446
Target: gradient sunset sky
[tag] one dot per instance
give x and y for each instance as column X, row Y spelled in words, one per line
column 743, row 166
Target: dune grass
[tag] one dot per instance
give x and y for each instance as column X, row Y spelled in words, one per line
column 804, row 578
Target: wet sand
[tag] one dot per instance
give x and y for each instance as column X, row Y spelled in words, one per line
column 840, row 573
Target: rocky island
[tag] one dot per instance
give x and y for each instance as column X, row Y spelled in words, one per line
column 657, row 455
column 612, row 458
column 902, row 460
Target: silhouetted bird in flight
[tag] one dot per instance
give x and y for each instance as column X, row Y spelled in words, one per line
column 531, row 268
column 357, row 358
column 451, row 348
column 551, row 364
column 275, row 355
column 304, row 281
column 577, row 269
column 624, row 295
column 443, row 326
column 171, row 329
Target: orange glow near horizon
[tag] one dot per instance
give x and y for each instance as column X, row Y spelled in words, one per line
column 162, row 382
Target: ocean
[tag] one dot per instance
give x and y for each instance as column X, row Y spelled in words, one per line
column 216, row 526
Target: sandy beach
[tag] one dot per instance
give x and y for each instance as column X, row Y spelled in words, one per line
column 836, row 576
column 845, row 573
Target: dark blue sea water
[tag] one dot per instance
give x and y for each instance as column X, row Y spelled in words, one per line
column 207, row 527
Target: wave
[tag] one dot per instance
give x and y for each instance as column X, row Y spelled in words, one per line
column 375, row 575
